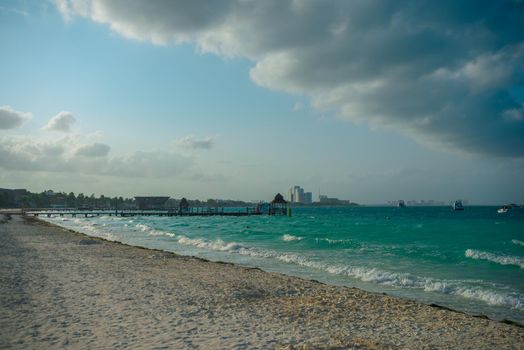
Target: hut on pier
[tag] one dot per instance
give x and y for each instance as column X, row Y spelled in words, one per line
column 278, row 206
column 151, row 202
column 183, row 206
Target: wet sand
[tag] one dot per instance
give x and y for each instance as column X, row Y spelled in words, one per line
column 61, row 289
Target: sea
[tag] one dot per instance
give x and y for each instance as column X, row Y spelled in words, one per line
column 471, row 260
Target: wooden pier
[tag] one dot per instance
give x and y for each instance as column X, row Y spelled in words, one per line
column 203, row 211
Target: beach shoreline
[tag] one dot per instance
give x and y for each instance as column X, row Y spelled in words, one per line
column 64, row 289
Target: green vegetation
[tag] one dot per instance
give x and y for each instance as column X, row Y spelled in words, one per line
column 50, row 199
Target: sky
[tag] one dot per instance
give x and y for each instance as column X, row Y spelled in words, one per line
column 370, row 101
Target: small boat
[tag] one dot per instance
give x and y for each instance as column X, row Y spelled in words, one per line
column 457, row 206
column 401, row 204
column 504, row 209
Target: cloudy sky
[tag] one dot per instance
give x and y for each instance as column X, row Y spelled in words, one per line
column 365, row 100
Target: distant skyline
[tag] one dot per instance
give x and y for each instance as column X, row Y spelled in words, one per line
column 370, row 101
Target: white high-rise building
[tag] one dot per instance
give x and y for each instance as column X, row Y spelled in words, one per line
column 297, row 195
column 291, row 195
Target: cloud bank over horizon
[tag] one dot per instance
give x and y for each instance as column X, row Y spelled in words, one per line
column 80, row 154
column 445, row 73
column 73, row 155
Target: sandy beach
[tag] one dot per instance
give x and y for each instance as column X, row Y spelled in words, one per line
column 61, row 289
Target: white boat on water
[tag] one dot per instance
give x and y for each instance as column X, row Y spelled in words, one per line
column 457, row 205
column 503, row 209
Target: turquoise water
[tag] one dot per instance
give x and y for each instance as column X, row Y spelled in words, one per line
column 471, row 261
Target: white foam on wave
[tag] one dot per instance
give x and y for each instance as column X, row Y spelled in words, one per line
column 334, row 241
column 289, row 238
column 152, row 232
column 373, row 275
column 142, row 227
column 88, row 227
column 517, row 242
column 498, row 259
column 218, row 245
column 406, row 280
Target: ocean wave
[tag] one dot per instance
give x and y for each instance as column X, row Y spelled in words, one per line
column 152, row 232
column 337, row 241
column 458, row 288
column 517, row 242
column 290, row 238
column 84, row 226
column 334, row 241
column 372, row 275
column 142, row 227
column 511, row 300
column 407, row 280
column 490, row 295
column 498, row 259
column 218, row 245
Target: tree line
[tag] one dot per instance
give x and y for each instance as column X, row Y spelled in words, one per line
column 51, row 199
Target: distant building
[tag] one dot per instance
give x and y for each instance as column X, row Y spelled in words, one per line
column 308, row 198
column 151, row 202
column 325, row 200
column 417, row 203
column 297, row 195
column 291, row 195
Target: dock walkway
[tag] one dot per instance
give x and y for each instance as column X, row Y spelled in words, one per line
column 125, row 213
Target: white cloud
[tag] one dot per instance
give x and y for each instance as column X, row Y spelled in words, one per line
column 191, row 142
column 70, row 155
column 442, row 72
column 10, row 119
column 93, row 150
column 61, row 122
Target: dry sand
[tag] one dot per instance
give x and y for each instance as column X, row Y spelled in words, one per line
column 60, row 289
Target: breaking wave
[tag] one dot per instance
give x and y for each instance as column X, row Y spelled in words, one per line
column 498, row 259
column 373, row 275
column 152, row 232
column 217, row 245
column 517, row 242
column 87, row 227
column 491, row 295
column 290, row 238
column 334, row 241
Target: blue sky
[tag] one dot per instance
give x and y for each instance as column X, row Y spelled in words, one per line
column 245, row 100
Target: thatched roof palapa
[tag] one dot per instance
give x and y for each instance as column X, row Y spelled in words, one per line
column 279, row 199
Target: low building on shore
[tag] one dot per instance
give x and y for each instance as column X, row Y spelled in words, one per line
column 151, row 202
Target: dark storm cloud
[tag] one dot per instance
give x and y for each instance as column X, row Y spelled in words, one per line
column 442, row 72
